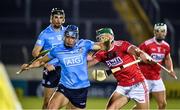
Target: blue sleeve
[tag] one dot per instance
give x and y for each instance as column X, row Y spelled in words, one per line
column 41, row 40
column 89, row 44
column 51, row 54
column 53, row 61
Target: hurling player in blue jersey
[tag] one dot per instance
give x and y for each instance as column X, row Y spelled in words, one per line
column 72, row 57
column 48, row 39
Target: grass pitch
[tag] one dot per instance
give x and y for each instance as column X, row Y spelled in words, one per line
column 94, row 103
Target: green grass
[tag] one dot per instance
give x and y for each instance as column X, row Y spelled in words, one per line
column 94, row 103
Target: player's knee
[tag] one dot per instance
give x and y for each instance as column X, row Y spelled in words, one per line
column 162, row 104
column 112, row 106
column 50, row 106
column 45, row 105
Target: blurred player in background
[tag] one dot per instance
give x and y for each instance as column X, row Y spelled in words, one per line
column 72, row 57
column 48, row 39
column 159, row 50
column 131, row 82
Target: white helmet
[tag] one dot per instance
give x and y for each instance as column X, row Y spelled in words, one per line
column 160, row 31
column 160, row 26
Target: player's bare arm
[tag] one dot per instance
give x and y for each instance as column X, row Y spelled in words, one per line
column 169, row 65
column 139, row 53
column 92, row 62
column 37, row 63
column 104, row 45
column 98, row 46
column 101, row 45
column 36, row 50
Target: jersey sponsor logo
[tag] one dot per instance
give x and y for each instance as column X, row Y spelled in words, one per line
column 158, row 57
column 114, row 62
column 73, row 61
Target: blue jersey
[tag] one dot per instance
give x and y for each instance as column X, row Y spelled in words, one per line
column 49, row 38
column 73, row 62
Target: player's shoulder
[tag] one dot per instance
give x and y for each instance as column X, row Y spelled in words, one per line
column 46, row 30
column 84, row 42
column 149, row 41
column 165, row 43
column 63, row 28
column 58, row 47
column 100, row 52
column 120, row 42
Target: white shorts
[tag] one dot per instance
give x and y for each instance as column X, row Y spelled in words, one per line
column 138, row 92
column 156, row 85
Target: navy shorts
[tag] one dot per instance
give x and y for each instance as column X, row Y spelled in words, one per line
column 77, row 97
column 51, row 78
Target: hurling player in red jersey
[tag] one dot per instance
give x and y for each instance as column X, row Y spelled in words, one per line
column 130, row 81
column 159, row 50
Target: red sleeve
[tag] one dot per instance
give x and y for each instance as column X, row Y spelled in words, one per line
column 125, row 45
column 143, row 47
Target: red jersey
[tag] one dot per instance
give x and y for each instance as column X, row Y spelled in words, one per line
column 158, row 51
column 118, row 56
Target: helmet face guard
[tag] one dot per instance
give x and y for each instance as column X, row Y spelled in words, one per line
column 72, row 34
column 72, row 31
column 104, row 31
column 57, row 12
column 160, row 31
column 160, row 26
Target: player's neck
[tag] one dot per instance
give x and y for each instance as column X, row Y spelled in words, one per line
column 111, row 47
column 56, row 29
column 158, row 41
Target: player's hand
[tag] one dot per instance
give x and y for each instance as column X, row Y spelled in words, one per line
column 105, row 43
column 49, row 67
column 25, row 67
column 173, row 74
column 99, row 75
column 147, row 58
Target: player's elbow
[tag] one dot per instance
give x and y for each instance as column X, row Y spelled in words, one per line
column 35, row 53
